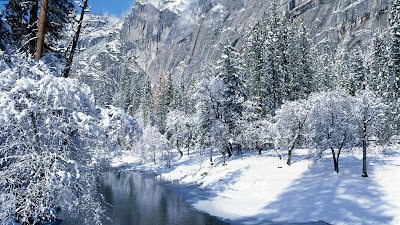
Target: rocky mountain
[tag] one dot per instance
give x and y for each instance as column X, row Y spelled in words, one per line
column 185, row 37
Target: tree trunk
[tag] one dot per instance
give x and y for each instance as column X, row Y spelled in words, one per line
column 75, row 41
column 187, row 147
column 239, row 149
column 335, row 162
column 230, row 150
column 259, row 149
column 178, row 147
column 224, row 154
column 289, row 160
column 33, row 19
column 293, row 144
column 364, row 158
column 41, row 29
column 211, row 162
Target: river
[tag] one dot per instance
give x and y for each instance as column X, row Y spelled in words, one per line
column 133, row 198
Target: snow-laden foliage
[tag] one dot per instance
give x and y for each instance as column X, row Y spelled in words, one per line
column 179, row 130
column 121, row 131
column 52, row 140
column 290, row 128
column 153, row 146
column 332, row 120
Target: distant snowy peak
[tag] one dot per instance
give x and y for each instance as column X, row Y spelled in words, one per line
column 175, row 6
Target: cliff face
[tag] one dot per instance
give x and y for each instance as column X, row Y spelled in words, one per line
column 185, row 37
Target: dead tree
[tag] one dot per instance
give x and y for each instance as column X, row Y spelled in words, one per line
column 85, row 8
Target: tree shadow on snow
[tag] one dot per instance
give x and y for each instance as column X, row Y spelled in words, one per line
column 322, row 195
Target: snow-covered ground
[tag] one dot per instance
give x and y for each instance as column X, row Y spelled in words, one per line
column 252, row 189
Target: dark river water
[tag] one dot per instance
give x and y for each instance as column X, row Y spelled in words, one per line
column 142, row 199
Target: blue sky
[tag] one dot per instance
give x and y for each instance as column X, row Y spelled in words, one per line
column 112, row 7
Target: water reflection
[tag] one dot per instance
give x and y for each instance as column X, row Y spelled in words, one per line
column 140, row 199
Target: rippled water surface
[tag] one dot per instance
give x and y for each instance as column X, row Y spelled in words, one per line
column 141, row 199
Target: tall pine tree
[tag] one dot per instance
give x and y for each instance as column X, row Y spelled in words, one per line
column 395, row 48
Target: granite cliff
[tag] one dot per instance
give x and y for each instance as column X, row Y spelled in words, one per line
column 185, row 37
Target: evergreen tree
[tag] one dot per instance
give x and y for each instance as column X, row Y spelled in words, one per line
column 357, row 79
column 379, row 74
column 306, row 73
column 255, row 66
column 179, row 98
column 160, row 104
column 147, row 103
column 124, row 96
column 325, row 71
column 230, row 74
column 275, row 58
column 3, row 33
column 204, row 115
column 395, row 48
column 169, row 93
column 22, row 16
column 16, row 15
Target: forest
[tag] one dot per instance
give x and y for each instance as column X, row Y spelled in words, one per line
column 280, row 93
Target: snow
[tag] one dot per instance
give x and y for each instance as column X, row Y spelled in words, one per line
column 175, row 6
column 253, row 189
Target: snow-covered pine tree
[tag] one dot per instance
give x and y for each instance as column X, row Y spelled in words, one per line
column 124, row 96
column 16, row 15
column 291, row 59
column 160, row 104
column 22, row 18
column 275, row 58
column 394, row 65
column 147, row 107
column 254, row 66
column 325, row 71
column 170, row 93
column 305, row 66
column 357, row 72
column 3, row 33
column 204, row 115
column 379, row 80
column 395, row 48
column 230, row 73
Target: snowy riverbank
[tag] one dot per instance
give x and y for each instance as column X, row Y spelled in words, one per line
column 252, row 188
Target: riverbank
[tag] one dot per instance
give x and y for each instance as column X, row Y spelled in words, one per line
column 251, row 189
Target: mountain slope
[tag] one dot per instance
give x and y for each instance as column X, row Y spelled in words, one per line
column 185, row 37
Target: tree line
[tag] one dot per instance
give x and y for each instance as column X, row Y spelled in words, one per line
column 280, row 92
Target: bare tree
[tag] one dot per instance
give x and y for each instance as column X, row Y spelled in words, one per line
column 84, row 7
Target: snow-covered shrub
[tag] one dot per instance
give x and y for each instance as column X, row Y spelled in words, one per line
column 371, row 117
column 332, row 123
column 179, row 130
column 52, row 140
column 121, row 130
column 256, row 131
column 290, row 128
column 153, row 146
column 212, row 131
